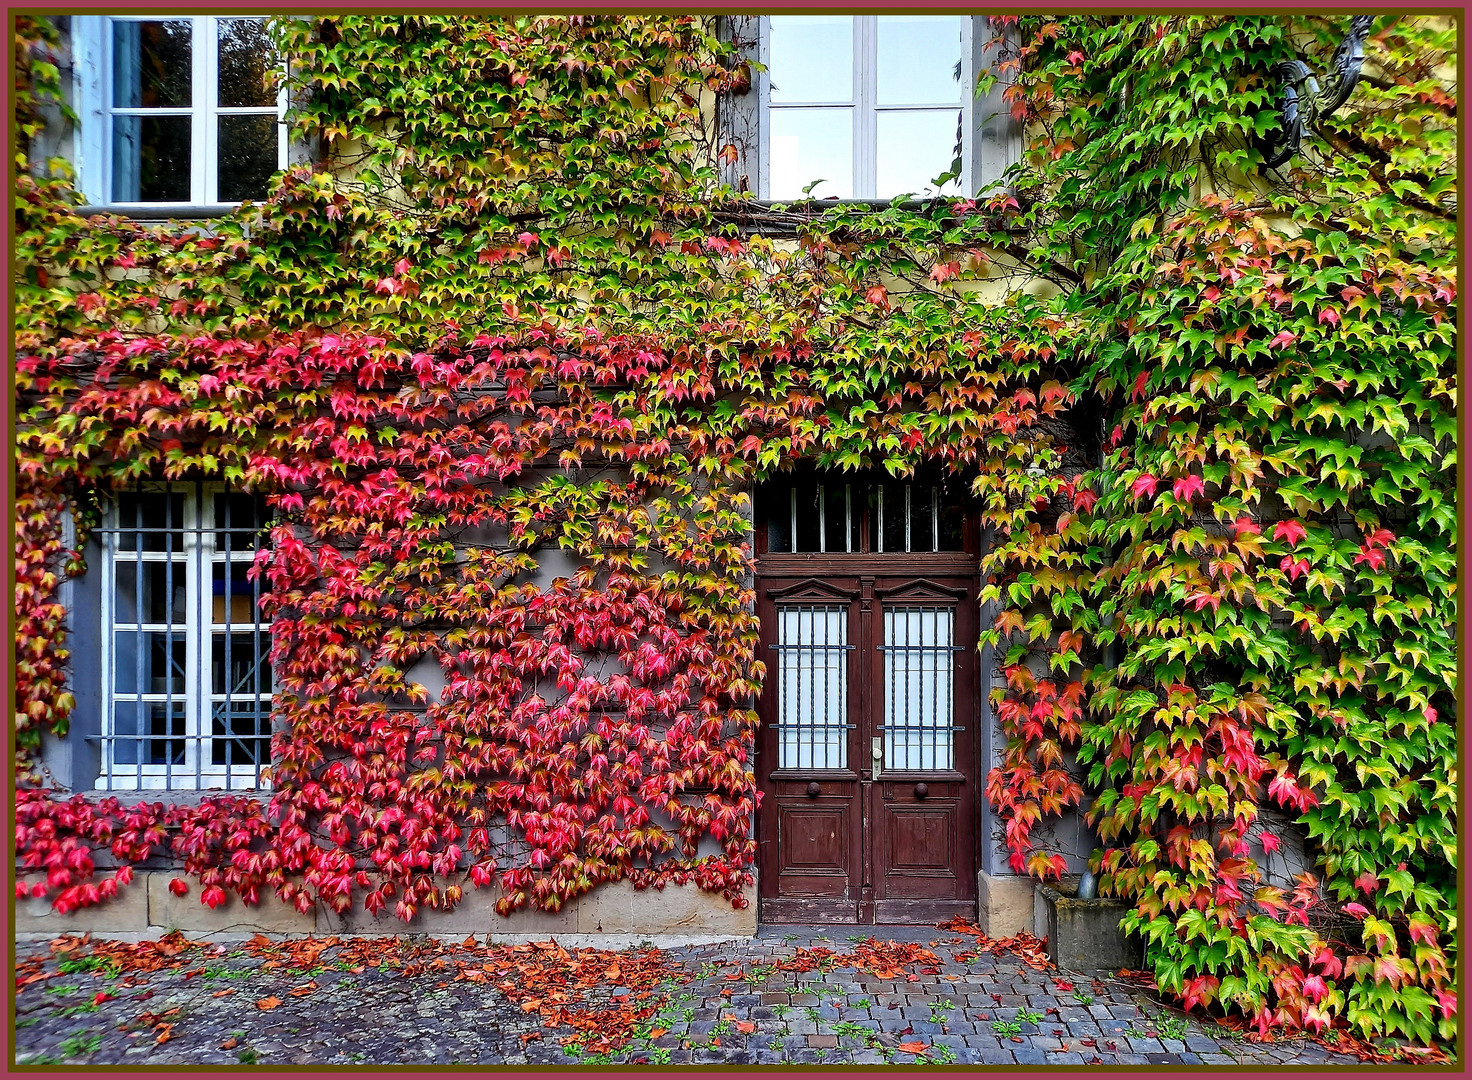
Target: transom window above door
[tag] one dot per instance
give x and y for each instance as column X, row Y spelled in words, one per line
column 840, row 515
column 180, row 110
column 868, row 106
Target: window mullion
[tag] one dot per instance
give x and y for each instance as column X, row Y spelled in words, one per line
column 206, row 99
column 866, row 65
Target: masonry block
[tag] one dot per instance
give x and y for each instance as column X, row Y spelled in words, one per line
column 475, row 914
column 127, row 912
column 185, row 913
column 619, row 908
column 1004, row 905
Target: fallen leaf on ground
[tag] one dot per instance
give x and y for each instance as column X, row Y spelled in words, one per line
column 746, row 1027
column 915, row 1047
column 266, row 1004
column 304, row 990
column 222, row 993
column 165, row 1033
column 230, row 1044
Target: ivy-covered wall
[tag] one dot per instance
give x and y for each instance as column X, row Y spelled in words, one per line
column 513, row 301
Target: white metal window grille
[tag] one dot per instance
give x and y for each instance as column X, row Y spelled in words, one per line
column 918, row 686
column 185, row 664
column 182, row 111
column 873, row 106
column 812, row 686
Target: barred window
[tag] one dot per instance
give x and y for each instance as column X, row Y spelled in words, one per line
column 185, row 669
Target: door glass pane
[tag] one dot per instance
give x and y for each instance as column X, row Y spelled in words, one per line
column 917, row 687
column 812, row 58
column 248, row 64
column 915, row 147
column 152, row 64
column 808, row 145
column 812, row 695
column 920, row 59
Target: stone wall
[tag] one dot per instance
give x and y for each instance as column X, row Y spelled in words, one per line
column 612, row 914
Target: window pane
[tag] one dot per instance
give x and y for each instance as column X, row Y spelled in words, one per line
column 152, row 64
column 148, row 733
column 240, row 665
column 808, row 145
column 920, row 59
column 812, row 670
column 918, row 685
column 915, row 147
column 248, row 64
column 807, row 518
column 160, row 517
column 888, row 515
column 836, row 519
column 244, row 515
column 776, row 504
column 151, row 672
column 921, row 520
column 248, row 156
column 233, row 594
column 159, row 597
column 241, row 734
column 812, row 58
column 150, row 158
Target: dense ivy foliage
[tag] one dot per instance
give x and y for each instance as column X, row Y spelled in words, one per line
column 513, row 311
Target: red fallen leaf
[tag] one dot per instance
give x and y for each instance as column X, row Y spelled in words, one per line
column 915, row 1047
column 531, row 1036
column 266, row 1004
column 1088, row 1042
column 222, row 993
column 230, row 1044
column 1065, row 987
column 1017, row 1038
column 983, row 1016
column 746, row 1027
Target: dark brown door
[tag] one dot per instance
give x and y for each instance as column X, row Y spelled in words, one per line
column 867, row 752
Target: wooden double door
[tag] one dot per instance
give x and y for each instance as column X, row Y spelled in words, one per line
column 867, row 753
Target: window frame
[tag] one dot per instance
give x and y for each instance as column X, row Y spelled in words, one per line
column 92, row 73
column 199, row 556
column 866, row 111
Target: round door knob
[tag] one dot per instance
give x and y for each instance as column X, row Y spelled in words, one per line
column 814, row 790
column 921, row 791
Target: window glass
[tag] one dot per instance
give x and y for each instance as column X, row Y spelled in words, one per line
column 247, row 156
column 918, row 687
column 919, row 60
column 812, row 58
column 915, row 147
column 808, row 145
column 151, row 158
column 249, row 65
column 812, row 686
column 152, row 64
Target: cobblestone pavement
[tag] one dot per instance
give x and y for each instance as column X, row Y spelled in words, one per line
column 738, row 1003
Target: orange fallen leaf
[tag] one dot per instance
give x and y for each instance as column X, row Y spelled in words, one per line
column 531, row 1036
column 655, row 1033
column 222, row 993
column 165, row 1033
column 230, row 1044
column 746, row 1027
column 266, row 1004
column 304, row 990
column 914, row 1047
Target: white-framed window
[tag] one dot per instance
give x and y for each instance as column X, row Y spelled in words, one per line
column 185, row 660
column 868, row 106
column 177, row 110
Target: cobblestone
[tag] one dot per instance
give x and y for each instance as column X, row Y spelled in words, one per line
column 838, row 1016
